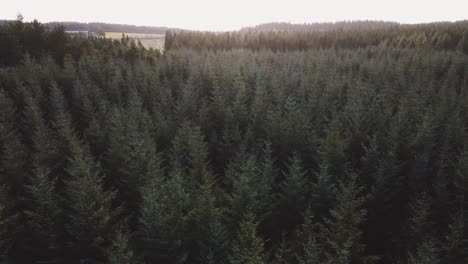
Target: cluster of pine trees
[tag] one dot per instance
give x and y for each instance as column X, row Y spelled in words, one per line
column 339, row 156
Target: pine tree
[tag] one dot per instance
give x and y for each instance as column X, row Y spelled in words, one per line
column 205, row 234
column 268, row 200
column 240, row 102
column 453, row 242
column 90, row 212
column 426, row 253
column 163, row 217
column 12, row 152
column 267, row 177
column 463, row 179
column 190, row 153
column 44, row 217
column 282, row 254
column 425, row 248
column 12, row 170
column 323, row 192
column 312, row 253
column 243, row 193
column 420, row 224
column 294, row 194
column 309, row 241
column 119, row 251
column 343, row 229
column 247, row 248
column 131, row 153
column 6, row 220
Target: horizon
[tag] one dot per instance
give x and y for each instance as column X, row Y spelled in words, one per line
column 211, row 15
column 247, row 26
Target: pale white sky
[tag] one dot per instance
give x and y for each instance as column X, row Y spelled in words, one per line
column 234, row 14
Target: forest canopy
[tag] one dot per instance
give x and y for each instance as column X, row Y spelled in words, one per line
column 347, row 146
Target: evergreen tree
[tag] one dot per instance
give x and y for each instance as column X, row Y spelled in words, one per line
column 312, row 252
column 426, row 253
column 453, row 242
column 44, row 218
column 343, row 229
column 244, row 192
column 90, row 212
column 163, row 217
column 119, row 251
column 323, row 192
column 247, row 248
column 12, row 152
column 6, row 221
column 131, row 153
column 205, row 234
column 294, row 194
column 425, row 248
column 282, row 254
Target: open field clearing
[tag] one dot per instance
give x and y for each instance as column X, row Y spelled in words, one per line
column 155, row 41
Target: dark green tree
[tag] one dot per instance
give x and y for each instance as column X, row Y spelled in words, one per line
column 44, row 218
column 91, row 215
column 294, row 194
column 247, row 248
column 343, row 230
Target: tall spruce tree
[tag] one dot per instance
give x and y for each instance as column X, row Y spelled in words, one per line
column 247, row 248
column 343, row 229
column 44, row 218
column 91, row 215
column 164, row 211
column 294, row 194
column 6, row 222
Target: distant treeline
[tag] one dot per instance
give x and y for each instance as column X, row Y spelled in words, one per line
column 101, row 28
column 307, row 27
column 39, row 41
column 441, row 36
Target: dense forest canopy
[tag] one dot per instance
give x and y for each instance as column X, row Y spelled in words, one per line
column 227, row 149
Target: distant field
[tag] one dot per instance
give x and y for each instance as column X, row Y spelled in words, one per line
column 155, row 41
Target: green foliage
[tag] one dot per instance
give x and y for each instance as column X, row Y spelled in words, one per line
column 44, row 217
column 343, row 230
column 426, row 253
column 90, row 214
column 119, row 250
column 163, row 217
column 6, row 221
column 293, row 193
column 247, row 248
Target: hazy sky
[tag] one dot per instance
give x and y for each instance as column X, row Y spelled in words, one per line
column 234, row 14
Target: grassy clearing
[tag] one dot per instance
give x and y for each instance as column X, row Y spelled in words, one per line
column 155, row 41
column 116, row 35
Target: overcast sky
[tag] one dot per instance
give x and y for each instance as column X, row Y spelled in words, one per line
column 233, row 14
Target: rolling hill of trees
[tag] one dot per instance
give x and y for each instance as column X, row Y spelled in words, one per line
column 307, row 27
column 224, row 150
column 101, row 28
column 345, row 35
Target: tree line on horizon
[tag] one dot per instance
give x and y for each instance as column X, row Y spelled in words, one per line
column 344, row 35
column 112, row 153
